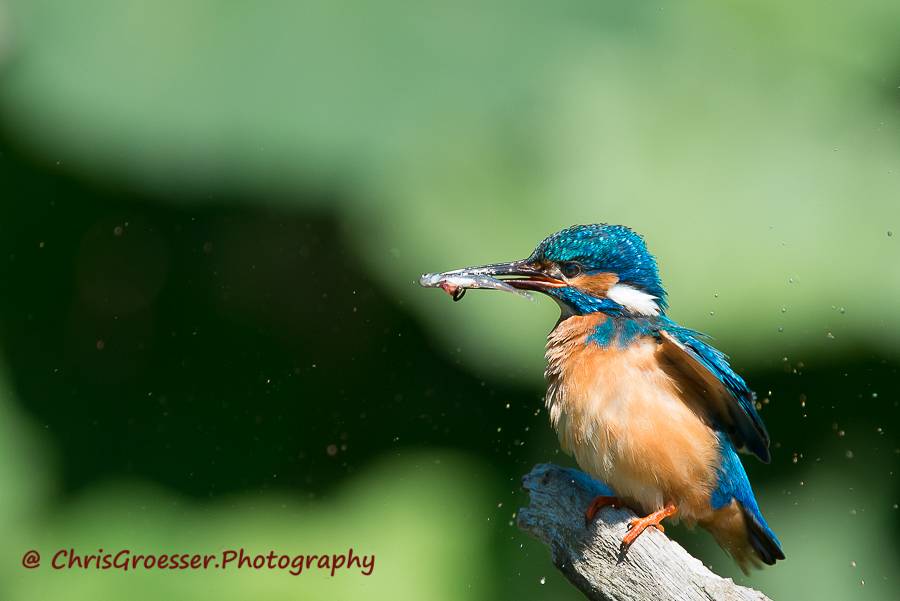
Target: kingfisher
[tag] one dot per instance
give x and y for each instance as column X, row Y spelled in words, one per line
column 647, row 407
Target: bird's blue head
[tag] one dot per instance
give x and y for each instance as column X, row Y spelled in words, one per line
column 588, row 269
column 605, row 268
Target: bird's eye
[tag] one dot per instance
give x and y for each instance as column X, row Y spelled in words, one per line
column 570, row 269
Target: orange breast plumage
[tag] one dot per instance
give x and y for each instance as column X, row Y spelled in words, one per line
column 626, row 422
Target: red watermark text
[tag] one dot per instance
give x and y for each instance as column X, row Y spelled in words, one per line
column 126, row 560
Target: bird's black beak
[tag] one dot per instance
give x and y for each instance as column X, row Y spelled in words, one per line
column 516, row 276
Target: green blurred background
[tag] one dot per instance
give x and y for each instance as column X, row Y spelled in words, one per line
column 214, row 214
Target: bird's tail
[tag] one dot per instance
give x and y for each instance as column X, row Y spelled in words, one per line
column 736, row 521
column 761, row 537
column 743, row 533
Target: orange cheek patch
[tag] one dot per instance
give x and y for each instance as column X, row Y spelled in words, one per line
column 597, row 284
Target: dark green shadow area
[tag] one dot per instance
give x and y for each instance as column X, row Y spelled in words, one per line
column 217, row 349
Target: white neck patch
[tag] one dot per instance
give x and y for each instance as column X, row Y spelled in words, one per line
column 633, row 299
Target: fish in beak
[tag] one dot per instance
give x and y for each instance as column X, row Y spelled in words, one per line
column 517, row 277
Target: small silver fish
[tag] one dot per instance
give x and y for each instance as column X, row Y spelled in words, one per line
column 455, row 283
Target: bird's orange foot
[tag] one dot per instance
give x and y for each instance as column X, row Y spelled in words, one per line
column 597, row 504
column 637, row 525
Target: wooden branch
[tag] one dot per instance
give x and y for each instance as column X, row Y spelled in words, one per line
column 655, row 567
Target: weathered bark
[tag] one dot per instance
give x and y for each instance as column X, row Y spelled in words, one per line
column 655, row 567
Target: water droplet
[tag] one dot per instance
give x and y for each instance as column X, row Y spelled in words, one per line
column 841, row 433
column 890, row 233
column 781, row 328
column 849, row 454
column 543, row 580
column 783, row 309
column 842, row 310
column 853, row 564
column 118, row 231
column 829, row 335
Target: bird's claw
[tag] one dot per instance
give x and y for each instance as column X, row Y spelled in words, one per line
column 636, row 526
column 598, row 503
column 634, row 521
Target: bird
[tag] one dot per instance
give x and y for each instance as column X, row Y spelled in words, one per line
column 647, row 407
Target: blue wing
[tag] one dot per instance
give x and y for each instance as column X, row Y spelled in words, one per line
column 718, row 391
